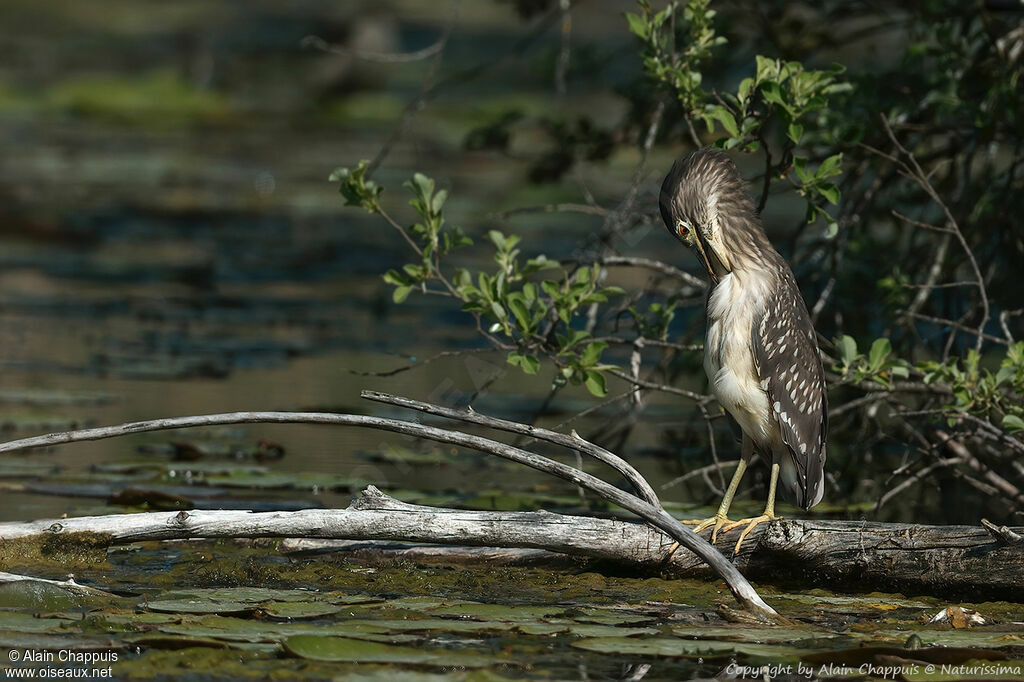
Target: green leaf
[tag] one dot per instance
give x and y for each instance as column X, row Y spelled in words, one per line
column 744, row 90
column 772, row 93
column 833, row 228
column 355, row 188
column 637, row 25
column 592, row 353
column 401, row 293
column 528, row 363
column 880, row 350
column 829, row 167
column 497, row 238
column 498, row 310
column 522, row 313
column 847, row 349
column 799, row 167
column 1005, row 374
column 766, row 68
column 727, row 120
column 424, row 186
column 830, row 192
column 1013, row 423
column 438, row 201
column 394, row 277
column 483, row 283
column 595, row 383
column 795, row 131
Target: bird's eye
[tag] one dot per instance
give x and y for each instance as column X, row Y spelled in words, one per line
column 682, row 229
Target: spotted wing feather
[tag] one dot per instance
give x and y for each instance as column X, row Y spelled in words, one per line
column 787, row 361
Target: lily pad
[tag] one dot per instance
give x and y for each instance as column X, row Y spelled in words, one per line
column 319, row 648
column 675, row 647
column 254, row 631
column 299, row 609
column 440, row 624
column 975, row 637
column 582, row 630
column 39, row 595
column 499, row 612
column 19, row 621
column 198, row 606
column 745, row 633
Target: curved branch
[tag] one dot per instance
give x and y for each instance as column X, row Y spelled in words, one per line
column 657, row 266
column 573, row 442
column 738, row 585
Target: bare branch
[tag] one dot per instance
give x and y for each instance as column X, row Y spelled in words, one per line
column 573, row 442
column 697, row 397
column 954, row 324
column 657, row 266
column 319, row 43
column 699, row 472
column 414, row 365
column 553, row 208
column 738, row 585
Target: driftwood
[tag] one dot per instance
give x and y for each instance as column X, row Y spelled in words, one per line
column 963, row 562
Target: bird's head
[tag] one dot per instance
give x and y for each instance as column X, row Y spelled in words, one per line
column 705, row 206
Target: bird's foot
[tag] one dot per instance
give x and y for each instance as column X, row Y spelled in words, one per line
column 718, row 521
column 750, row 524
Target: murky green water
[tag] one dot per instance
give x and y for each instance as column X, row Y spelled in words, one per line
column 196, row 609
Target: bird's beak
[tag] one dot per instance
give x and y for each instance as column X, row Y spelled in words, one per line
column 712, row 263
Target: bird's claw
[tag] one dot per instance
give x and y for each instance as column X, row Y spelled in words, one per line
column 751, row 524
column 718, row 521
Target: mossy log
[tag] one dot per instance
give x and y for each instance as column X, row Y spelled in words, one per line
column 961, row 562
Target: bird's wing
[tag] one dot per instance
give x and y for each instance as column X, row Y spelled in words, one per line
column 789, row 367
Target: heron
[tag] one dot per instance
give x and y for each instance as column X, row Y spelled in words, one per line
column 760, row 351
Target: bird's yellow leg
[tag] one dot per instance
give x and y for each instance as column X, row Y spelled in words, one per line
column 721, row 517
column 754, row 522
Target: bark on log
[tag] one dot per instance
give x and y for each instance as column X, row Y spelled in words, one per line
column 960, row 562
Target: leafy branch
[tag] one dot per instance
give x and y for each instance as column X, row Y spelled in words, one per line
column 780, row 92
column 993, row 396
column 527, row 316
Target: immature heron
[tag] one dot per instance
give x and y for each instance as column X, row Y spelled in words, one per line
column 760, row 353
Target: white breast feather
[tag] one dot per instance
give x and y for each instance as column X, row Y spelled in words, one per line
column 728, row 362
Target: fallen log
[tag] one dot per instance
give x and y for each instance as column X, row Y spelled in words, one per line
column 960, row 562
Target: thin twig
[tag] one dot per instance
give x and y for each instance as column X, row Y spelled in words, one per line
column 953, row 324
column 697, row 397
column 914, row 479
column 414, row 365
column 567, row 207
column 319, row 43
column 698, row 472
column 657, row 266
column 914, row 171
